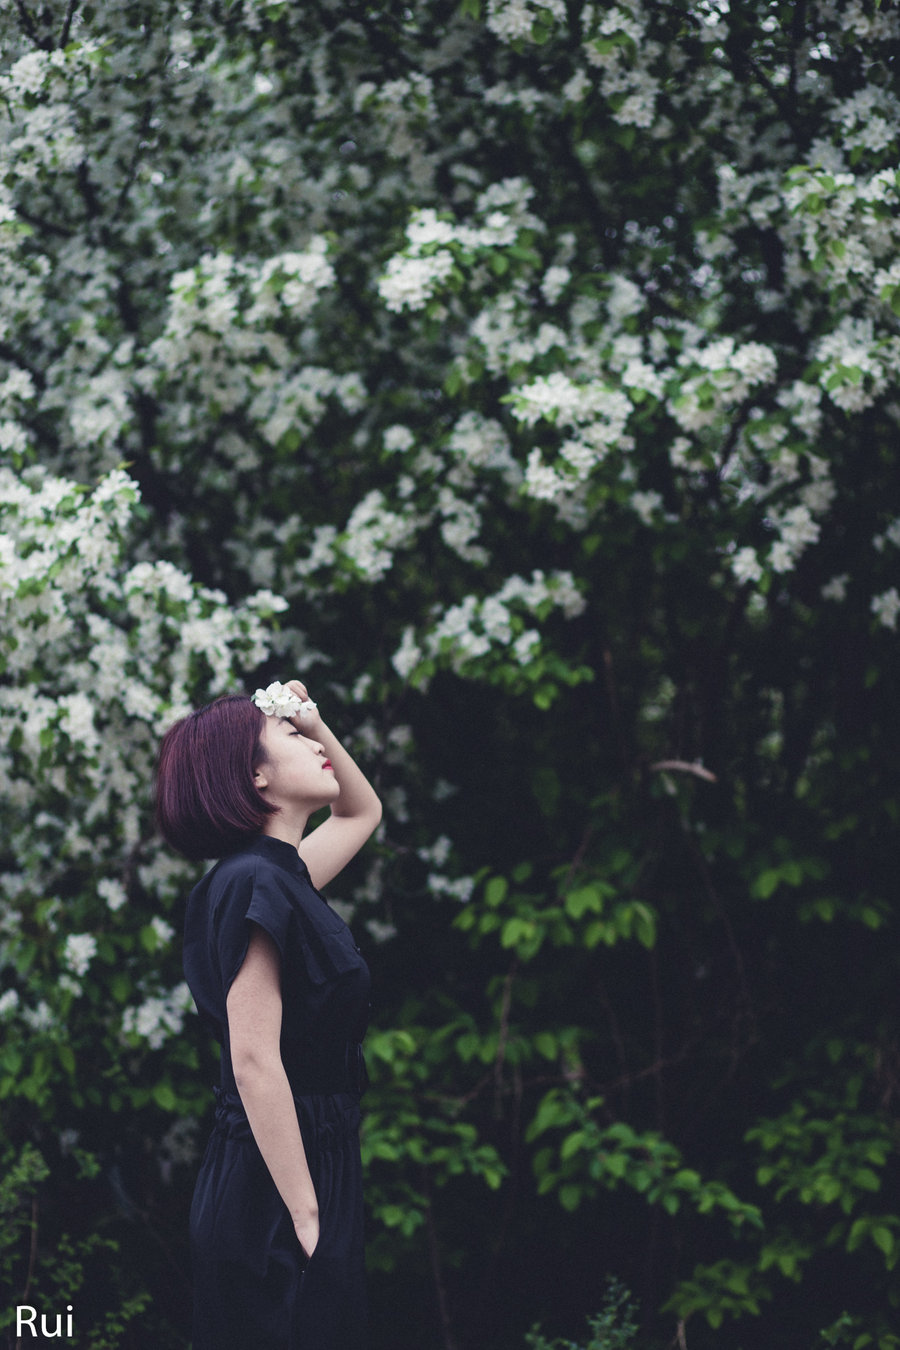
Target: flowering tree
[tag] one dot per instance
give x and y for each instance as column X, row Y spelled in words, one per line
column 534, row 363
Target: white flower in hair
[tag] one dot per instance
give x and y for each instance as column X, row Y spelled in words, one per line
column 277, row 700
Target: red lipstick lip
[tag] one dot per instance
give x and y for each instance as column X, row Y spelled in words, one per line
column 327, row 765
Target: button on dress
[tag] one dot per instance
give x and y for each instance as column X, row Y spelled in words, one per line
column 252, row 1283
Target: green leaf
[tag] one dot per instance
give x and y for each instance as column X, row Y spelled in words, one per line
column 570, row 1196
column 495, row 891
column 645, row 924
column 766, row 883
column 546, row 1045
column 164, row 1097
column 572, row 1144
column 582, row 900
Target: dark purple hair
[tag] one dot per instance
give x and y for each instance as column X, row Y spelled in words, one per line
column 207, row 804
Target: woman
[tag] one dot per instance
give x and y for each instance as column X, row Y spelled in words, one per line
column 276, row 1220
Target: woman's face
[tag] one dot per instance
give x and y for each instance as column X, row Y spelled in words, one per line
column 294, row 773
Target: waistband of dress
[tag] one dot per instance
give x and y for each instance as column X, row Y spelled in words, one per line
column 344, row 1072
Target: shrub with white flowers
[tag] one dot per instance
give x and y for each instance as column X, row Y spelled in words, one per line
column 522, row 375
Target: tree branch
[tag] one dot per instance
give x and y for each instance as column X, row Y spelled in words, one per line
column 32, row 1257
column 615, row 709
column 683, row 766
column 434, row 1253
column 39, row 223
column 503, row 1036
column 28, row 26
column 577, row 859
column 67, row 22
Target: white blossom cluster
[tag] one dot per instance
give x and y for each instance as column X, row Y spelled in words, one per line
column 886, row 607
column 277, row 700
column 374, row 532
column 225, row 348
column 80, row 949
column 55, row 544
column 503, row 338
column 98, row 656
column 441, row 493
column 435, row 244
column 402, row 107
column 439, row 881
column 410, row 281
column 847, row 227
column 598, row 412
column 591, row 391
column 514, row 20
column 37, row 125
column 481, row 443
column 178, row 1145
column 479, row 627
column 158, row 1017
column 721, row 376
column 836, row 221
column 614, row 35
column 857, row 365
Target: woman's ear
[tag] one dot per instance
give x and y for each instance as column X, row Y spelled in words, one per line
column 260, row 780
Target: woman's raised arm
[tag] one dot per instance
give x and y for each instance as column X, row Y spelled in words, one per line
column 354, row 816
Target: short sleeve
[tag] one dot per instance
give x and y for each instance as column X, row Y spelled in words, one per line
column 257, row 896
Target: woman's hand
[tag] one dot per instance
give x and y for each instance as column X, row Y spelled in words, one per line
column 308, row 719
column 307, row 1230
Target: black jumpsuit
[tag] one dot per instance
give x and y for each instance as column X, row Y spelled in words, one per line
column 252, row 1283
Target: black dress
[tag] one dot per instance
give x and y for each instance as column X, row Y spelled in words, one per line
column 253, row 1286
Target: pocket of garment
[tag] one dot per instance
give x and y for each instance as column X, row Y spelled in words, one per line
column 308, row 1262
column 330, row 955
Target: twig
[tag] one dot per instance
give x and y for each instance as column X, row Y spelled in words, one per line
column 613, row 696
column 67, row 24
column 628, row 1079
column 658, row 1037
column 28, row 26
column 618, row 1039
column 745, row 1002
column 679, row 1340
column 128, row 181
column 41, row 224
column 32, row 1258
column 504, row 1035
column 435, row 1255
column 683, row 766
column 577, row 859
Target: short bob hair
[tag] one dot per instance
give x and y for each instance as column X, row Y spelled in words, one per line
column 207, row 804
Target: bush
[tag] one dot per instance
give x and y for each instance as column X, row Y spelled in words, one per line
column 613, row 1328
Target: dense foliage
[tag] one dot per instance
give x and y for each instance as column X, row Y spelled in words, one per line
column 522, row 375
